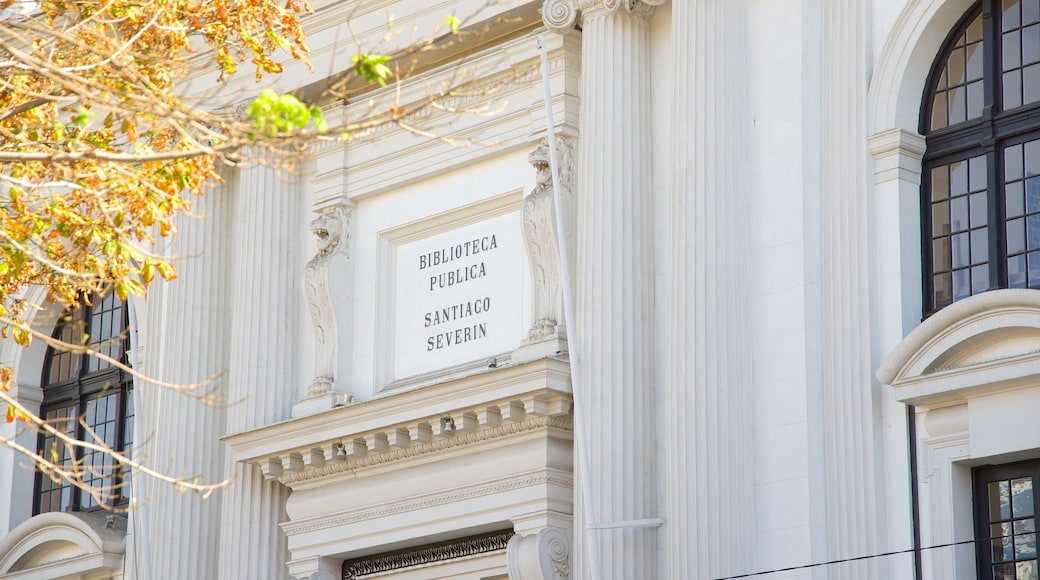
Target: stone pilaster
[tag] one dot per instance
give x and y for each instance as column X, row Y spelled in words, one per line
column 614, row 285
column 184, row 334
column 709, row 483
column 849, row 395
column 262, row 373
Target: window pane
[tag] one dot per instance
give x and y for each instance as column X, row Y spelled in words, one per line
column 975, row 100
column 1013, row 163
column 1012, row 89
column 1026, row 570
column 1004, row 572
column 1032, row 195
column 973, row 53
column 1016, row 237
column 1031, row 44
column 1003, row 549
column 940, row 219
column 1013, row 204
column 959, row 178
column 939, row 111
column 1031, row 84
column 1025, row 526
column 943, row 288
column 941, row 255
column 959, row 214
column 980, row 279
column 1025, row 546
column 979, row 210
column 977, row 173
column 999, row 501
column 980, row 246
column 1011, row 51
column 1033, row 263
column 940, row 183
column 961, row 245
column 1033, row 232
column 962, row 284
column 1017, row 271
column 955, row 67
column 1022, row 497
column 974, row 33
column 958, row 97
column 1030, row 11
column 1010, row 10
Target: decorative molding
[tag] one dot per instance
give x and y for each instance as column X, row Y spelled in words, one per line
column 897, row 154
column 428, row 554
column 361, row 454
column 540, row 387
column 953, row 325
column 433, row 500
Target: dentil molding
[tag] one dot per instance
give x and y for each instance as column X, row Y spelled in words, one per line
column 562, row 15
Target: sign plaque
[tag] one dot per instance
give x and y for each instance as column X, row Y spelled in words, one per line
column 458, row 296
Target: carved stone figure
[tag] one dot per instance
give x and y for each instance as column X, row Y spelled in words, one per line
column 331, row 229
column 539, row 223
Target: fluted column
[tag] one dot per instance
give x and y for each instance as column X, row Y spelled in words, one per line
column 184, row 334
column 709, row 484
column 261, row 374
column 614, row 283
column 849, row 395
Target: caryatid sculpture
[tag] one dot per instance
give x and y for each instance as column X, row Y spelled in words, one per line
column 323, row 284
column 539, row 223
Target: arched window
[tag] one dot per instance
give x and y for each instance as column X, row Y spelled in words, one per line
column 980, row 197
column 79, row 386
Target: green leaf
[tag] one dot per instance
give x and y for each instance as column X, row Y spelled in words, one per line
column 82, row 116
column 372, row 67
column 453, row 22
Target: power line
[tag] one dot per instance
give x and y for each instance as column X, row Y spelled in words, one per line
column 857, row 558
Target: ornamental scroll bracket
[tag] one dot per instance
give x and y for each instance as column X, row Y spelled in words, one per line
column 563, row 15
column 327, row 287
column 542, row 556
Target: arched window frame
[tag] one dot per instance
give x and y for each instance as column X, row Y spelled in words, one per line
column 988, row 139
column 83, row 386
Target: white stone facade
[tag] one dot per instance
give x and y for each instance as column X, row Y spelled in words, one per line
column 744, row 238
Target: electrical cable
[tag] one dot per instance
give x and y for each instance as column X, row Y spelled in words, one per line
column 858, row 558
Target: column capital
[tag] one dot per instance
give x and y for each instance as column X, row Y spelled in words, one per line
column 563, row 15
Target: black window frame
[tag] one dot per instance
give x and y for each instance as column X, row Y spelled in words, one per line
column 79, row 391
column 982, row 476
column 987, row 136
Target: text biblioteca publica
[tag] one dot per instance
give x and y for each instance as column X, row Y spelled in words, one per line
column 460, row 274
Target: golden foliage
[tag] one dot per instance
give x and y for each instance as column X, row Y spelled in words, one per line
column 97, row 149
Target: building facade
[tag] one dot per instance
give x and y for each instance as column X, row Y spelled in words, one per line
column 792, row 326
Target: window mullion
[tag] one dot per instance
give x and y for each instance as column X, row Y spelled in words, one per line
column 995, row 210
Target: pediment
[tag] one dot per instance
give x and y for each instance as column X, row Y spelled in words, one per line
column 987, row 341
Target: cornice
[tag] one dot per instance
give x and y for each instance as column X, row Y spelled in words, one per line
column 528, row 383
column 353, row 465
